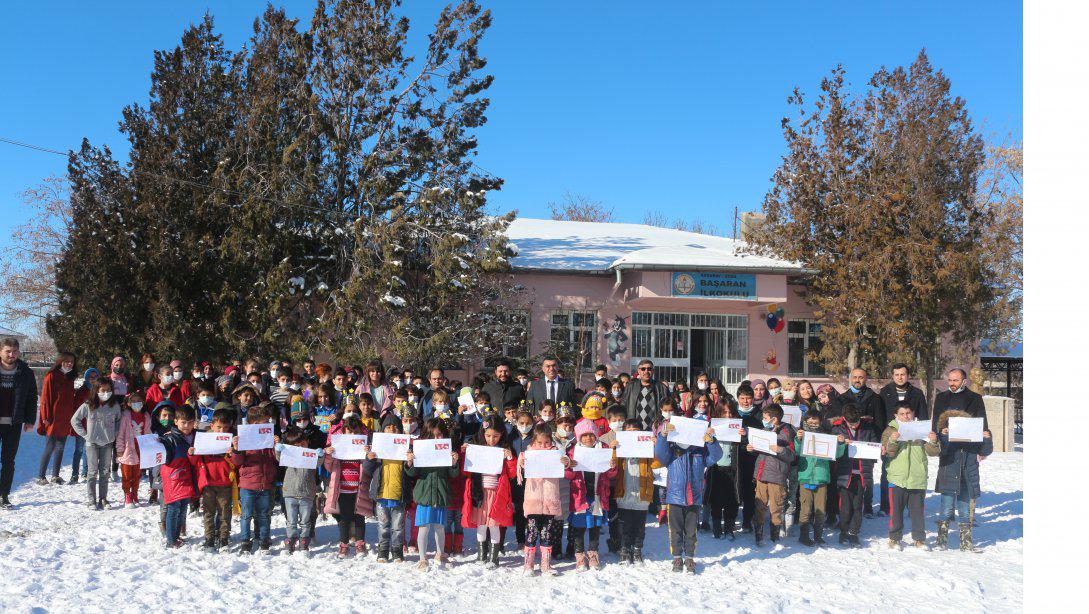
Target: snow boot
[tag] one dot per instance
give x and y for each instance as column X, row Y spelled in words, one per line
column 966, row 538
column 42, row 481
column 74, row 479
column 342, row 551
column 580, row 561
column 921, row 544
column 531, row 555
column 482, row 553
column 246, row 547
column 942, row 542
column 264, row 546
column 360, row 548
column 383, row 555
column 304, row 546
column 843, row 541
column 58, row 479
column 289, row 545
column 593, row 560
column 678, row 565
column 853, row 537
column 818, row 532
column 690, row 566
column 493, row 558
column 209, row 543
column 224, row 542
column 894, row 544
column 775, row 529
column 625, row 555
column 803, row 535
column 637, row 556
column 546, row 562
column 758, row 534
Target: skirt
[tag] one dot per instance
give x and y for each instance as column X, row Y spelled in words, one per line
column 425, row 514
column 480, row 514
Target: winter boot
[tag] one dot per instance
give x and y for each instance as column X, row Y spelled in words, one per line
column 818, row 533
column 775, row 529
column 853, row 538
column 546, row 562
column 224, row 542
column 246, row 547
column 921, row 544
column 843, row 541
column 966, row 537
column 637, row 556
column 580, row 561
column 264, row 546
column 209, row 543
column 803, row 535
column 383, row 555
column 894, row 544
column 74, row 480
column 289, row 545
column 678, row 565
column 42, row 481
column 942, row 541
column 690, row 566
column 593, row 560
column 625, row 555
column 459, row 543
column 531, row 555
column 758, row 534
column 360, row 548
column 493, row 558
column 482, row 553
column 304, row 546
column 342, row 551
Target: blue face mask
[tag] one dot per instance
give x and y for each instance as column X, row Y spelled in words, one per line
column 855, row 390
column 767, row 424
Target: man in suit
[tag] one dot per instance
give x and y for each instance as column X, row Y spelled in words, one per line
column 958, row 397
column 643, row 396
column 552, row 386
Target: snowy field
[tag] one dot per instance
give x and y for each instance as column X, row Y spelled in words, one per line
column 56, row 556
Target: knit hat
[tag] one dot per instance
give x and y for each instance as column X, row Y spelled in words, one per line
column 244, row 386
column 586, row 426
column 223, row 379
column 116, row 359
column 174, row 364
column 391, row 420
column 229, row 370
column 87, row 374
column 299, row 409
column 825, row 389
column 758, row 381
column 592, row 406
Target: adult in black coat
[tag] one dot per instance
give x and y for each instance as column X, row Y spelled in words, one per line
column 551, row 386
column 751, row 418
column 504, row 389
column 873, row 410
column 958, row 397
column 18, row 410
column 901, row 390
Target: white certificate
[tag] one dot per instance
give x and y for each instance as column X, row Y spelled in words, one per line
column 212, row 443
column 299, row 458
column 465, row 397
column 864, row 450
column 543, row 464
column 914, row 430
column 687, row 431
column 762, row 440
column 966, row 429
column 152, row 451
column 349, row 447
column 635, row 444
column 255, row 437
column 819, row 445
column 597, row 460
column 484, row 459
column 792, row 415
column 390, row 446
column 727, row 429
column 431, row 453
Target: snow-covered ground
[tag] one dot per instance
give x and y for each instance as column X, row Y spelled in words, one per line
column 57, row 555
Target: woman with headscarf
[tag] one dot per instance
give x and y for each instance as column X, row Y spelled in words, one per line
column 759, row 394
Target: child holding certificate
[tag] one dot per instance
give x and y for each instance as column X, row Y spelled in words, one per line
column 488, row 504
column 432, row 495
column 390, row 492
column 633, row 491
column 907, row 471
column 684, row 490
column 541, row 504
column 589, row 499
column 771, row 472
column 813, row 476
column 347, row 497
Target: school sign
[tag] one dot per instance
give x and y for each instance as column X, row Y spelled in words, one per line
column 728, row 286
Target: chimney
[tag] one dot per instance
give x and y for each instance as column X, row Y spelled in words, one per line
column 750, row 221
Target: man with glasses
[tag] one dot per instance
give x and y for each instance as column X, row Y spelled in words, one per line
column 643, row 396
column 551, row 386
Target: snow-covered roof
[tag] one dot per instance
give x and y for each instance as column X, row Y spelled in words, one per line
column 7, row 332
column 597, row 246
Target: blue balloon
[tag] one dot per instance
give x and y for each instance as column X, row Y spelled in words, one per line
column 772, row 321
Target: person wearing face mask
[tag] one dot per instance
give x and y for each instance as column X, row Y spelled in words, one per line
column 147, row 374
column 134, row 422
column 750, row 418
column 101, row 414
column 960, row 398
column 165, row 388
column 205, row 406
column 563, row 437
column 771, row 472
column 520, row 439
column 58, row 403
column 120, row 377
column 181, row 379
column 522, row 377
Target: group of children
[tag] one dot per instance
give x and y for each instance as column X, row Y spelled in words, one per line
column 417, row 507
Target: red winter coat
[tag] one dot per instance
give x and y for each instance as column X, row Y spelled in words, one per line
column 58, row 404
column 212, row 470
column 155, row 394
column 502, row 511
column 580, row 500
column 177, row 472
column 256, row 468
column 363, row 504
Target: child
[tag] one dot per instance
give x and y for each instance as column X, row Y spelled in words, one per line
column 134, row 422
column 206, row 402
column 367, row 413
column 101, row 413
column 488, row 505
column 684, row 491
column 300, row 485
column 216, row 479
column 347, row 497
column 723, row 481
column 162, row 420
column 633, row 491
column 813, row 477
column 541, row 504
column 456, row 533
column 907, row 472
column 589, row 498
column 547, row 411
column 432, row 495
column 616, row 415
column 958, row 480
column 257, row 470
column 324, row 407
column 177, row 474
column 661, row 474
column 851, row 474
column 389, row 491
column 563, row 438
column 771, row 472
column 521, row 438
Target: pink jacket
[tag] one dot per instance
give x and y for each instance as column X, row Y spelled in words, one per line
column 127, row 451
column 580, row 501
column 363, row 504
column 542, row 495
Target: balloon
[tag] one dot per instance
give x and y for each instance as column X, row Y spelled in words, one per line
column 772, row 307
column 772, row 320
column 779, row 312
column 780, row 325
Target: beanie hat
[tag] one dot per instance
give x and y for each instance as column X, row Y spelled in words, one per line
column 87, row 374
column 585, row 426
column 391, row 419
column 299, row 409
column 592, row 406
column 229, row 370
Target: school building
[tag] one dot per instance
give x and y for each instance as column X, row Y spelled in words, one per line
column 689, row 302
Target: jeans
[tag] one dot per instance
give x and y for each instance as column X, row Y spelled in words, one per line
column 255, row 506
column 77, row 456
column 99, row 459
column 175, row 515
column 299, row 517
column 54, row 448
column 9, row 441
column 962, row 501
column 391, row 527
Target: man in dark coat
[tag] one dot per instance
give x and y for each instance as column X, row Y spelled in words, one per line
column 900, row 390
column 551, row 386
column 958, row 397
column 643, row 397
column 504, row 388
column 872, row 410
column 18, row 410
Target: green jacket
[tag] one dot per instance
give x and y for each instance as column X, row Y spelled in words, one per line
column 433, row 486
column 813, row 470
column 906, row 464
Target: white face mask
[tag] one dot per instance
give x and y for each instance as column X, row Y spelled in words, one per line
column 105, row 396
column 412, row 400
column 149, row 366
column 272, row 373
column 788, row 395
column 408, row 426
column 198, row 375
column 350, row 415
column 66, row 370
column 525, row 428
column 561, row 433
column 136, row 405
column 616, row 426
column 206, row 400
column 701, row 385
column 666, row 415
column 523, row 381
column 302, row 423
column 294, row 386
column 616, row 393
column 285, row 385
column 545, row 418
column 440, row 407
column 167, row 380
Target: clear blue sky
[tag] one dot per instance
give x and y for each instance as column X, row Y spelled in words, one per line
column 632, row 104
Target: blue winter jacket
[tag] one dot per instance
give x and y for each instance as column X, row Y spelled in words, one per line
column 686, row 468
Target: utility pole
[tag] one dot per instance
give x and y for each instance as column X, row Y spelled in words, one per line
column 735, row 222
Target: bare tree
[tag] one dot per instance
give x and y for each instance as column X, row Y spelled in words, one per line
column 697, row 225
column 580, row 208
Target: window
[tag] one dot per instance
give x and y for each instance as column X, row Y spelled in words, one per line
column 576, row 330
column 515, row 330
column 803, row 338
